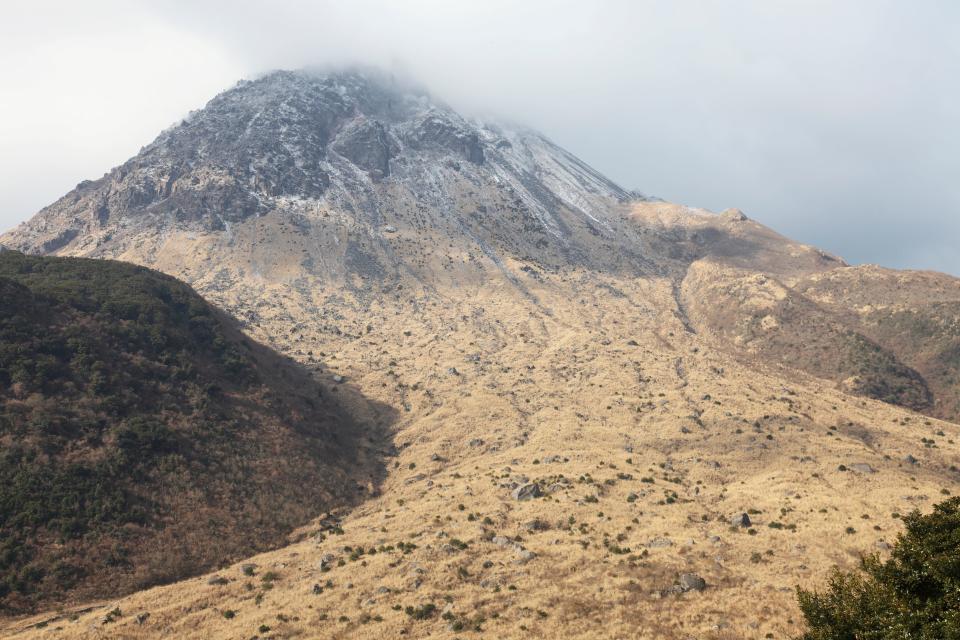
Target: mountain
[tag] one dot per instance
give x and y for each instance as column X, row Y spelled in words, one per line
column 609, row 418
column 885, row 334
column 355, row 182
column 350, row 152
column 144, row 438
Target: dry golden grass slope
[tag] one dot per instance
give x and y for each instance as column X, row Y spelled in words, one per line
column 645, row 439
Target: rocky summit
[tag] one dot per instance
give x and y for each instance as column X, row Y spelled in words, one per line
column 605, row 415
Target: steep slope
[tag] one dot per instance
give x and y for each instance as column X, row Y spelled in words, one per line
column 144, row 439
column 373, row 178
column 534, row 326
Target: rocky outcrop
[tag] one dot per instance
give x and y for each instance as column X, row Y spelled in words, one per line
column 373, row 150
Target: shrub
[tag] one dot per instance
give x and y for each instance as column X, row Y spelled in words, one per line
column 423, row 612
column 915, row 594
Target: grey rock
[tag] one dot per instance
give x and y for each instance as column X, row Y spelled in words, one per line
column 740, row 520
column 659, row 543
column 691, row 582
column 909, row 459
column 527, row 491
column 525, row 555
column 368, row 145
column 863, row 467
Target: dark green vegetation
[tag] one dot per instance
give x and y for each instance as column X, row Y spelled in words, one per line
column 879, row 375
column 927, row 336
column 915, row 595
column 142, row 437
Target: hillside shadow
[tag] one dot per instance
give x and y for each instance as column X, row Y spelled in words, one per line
column 355, row 430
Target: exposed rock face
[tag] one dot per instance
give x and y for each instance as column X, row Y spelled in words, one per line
column 342, row 152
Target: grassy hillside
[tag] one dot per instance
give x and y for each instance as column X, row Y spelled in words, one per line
column 143, row 438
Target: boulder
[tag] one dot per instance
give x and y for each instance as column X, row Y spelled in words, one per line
column 740, row 520
column 691, row 582
column 527, row 491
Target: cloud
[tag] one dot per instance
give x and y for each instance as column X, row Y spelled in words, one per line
column 835, row 123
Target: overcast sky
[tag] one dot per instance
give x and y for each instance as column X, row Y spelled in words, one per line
column 835, row 122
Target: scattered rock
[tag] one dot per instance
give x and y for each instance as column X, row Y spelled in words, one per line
column 659, row 543
column 217, row 580
column 527, row 491
column 142, row 617
column 691, row 582
column 863, row 467
column 909, row 459
column 525, row 555
column 740, row 520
